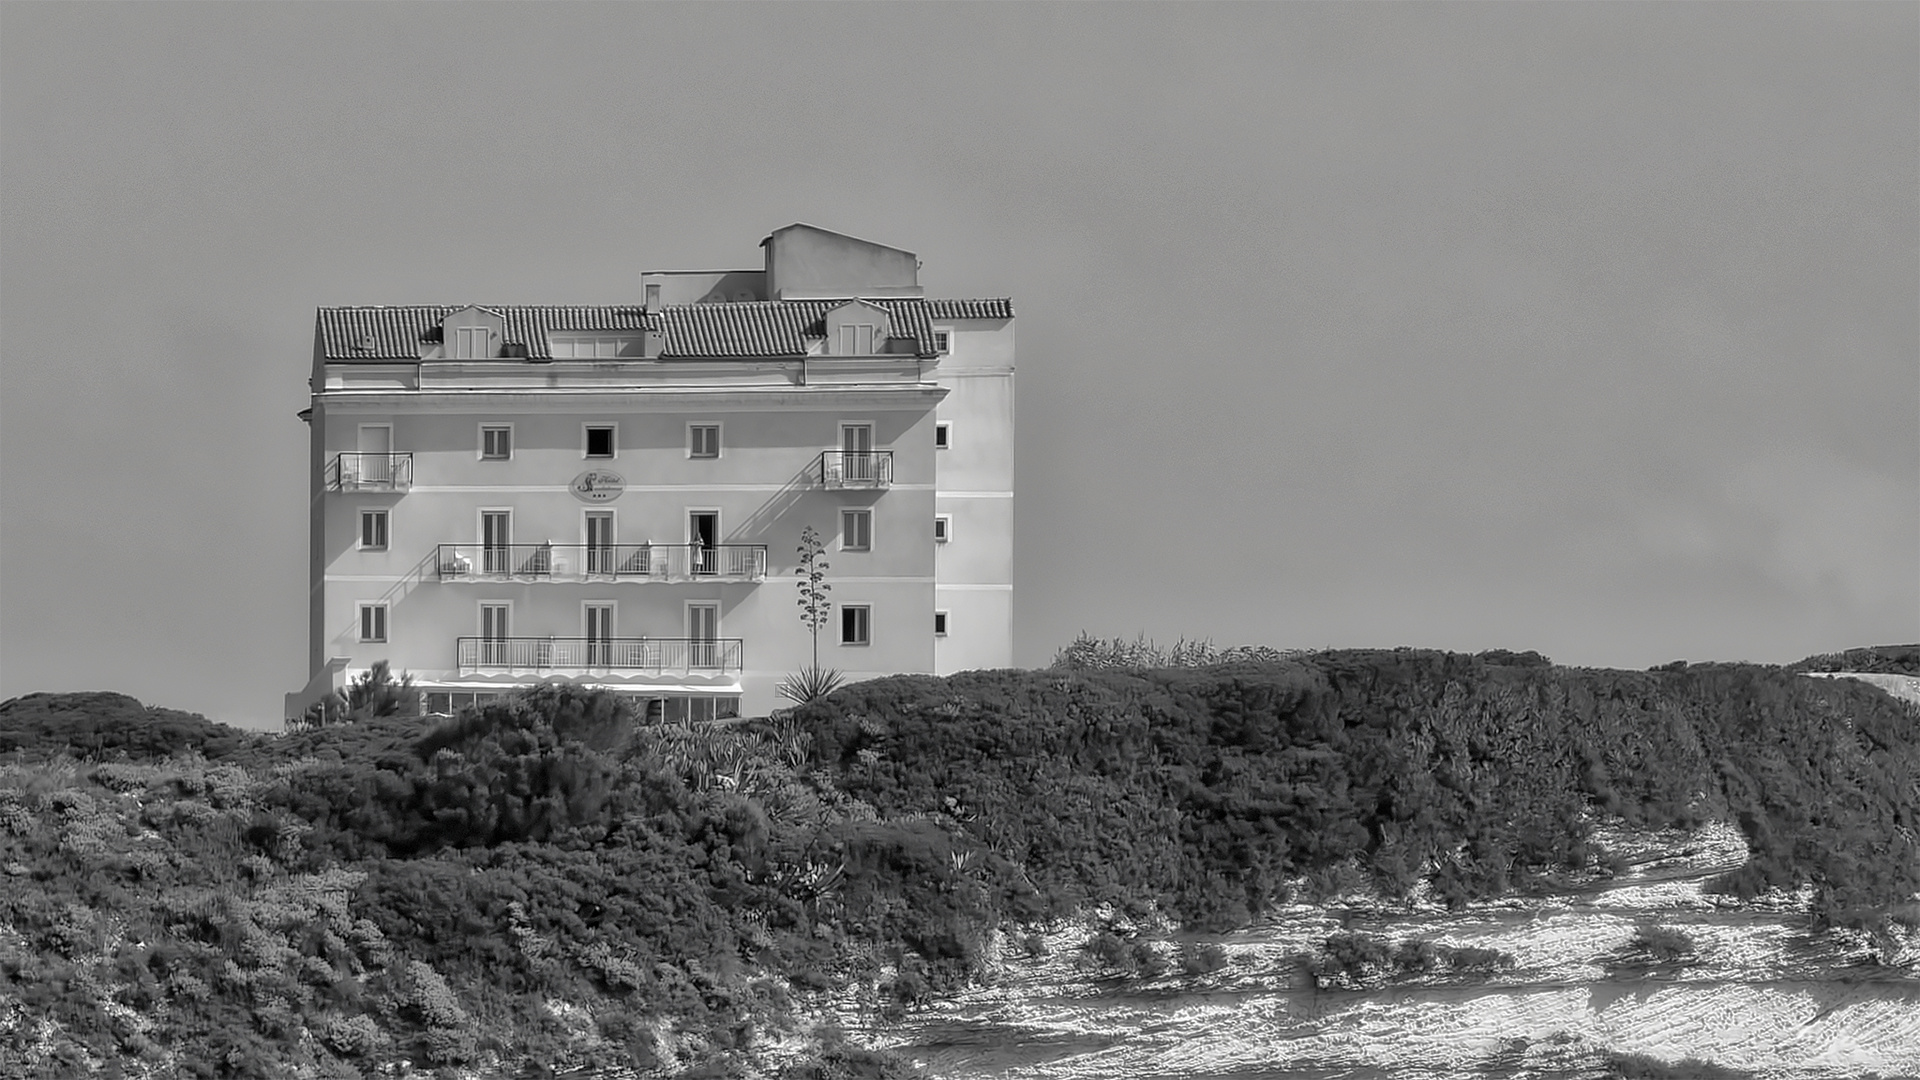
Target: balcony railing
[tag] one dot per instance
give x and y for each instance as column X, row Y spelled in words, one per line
column 370, row 472
column 652, row 656
column 621, row 562
column 856, row 469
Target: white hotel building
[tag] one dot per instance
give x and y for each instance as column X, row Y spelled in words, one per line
column 614, row 496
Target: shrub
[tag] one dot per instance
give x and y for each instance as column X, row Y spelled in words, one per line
column 1641, row 1067
column 1205, row 960
column 1662, row 944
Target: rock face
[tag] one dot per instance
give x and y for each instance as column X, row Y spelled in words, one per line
column 1643, row 968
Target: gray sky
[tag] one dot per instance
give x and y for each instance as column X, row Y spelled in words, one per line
column 1591, row 329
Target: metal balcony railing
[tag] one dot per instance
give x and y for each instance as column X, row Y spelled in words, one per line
column 580, row 562
column 856, row 469
column 370, row 472
column 657, row 656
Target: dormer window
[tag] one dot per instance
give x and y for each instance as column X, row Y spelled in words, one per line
column 472, row 342
column 857, row 328
column 857, row 339
column 472, row 334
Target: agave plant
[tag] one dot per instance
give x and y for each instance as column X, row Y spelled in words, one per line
column 810, row 684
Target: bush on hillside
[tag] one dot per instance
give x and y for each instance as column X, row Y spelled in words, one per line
column 106, row 725
column 1216, row 792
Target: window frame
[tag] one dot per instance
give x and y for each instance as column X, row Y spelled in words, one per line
column 612, row 428
column 942, row 341
column 943, row 434
column 719, row 440
column 942, row 623
column 385, row 515
column 942, row 528
column 484, row 429
column 383, row 617
column 855, row 513
column 863, row 622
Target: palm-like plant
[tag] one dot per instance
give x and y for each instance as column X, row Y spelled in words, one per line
column 810, row 684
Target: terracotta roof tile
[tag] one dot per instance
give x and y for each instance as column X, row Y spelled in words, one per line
column 693, row 331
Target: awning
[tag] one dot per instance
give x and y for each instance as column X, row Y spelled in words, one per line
column 622, row 687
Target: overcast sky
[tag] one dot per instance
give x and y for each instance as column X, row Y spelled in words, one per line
column 1586, row 329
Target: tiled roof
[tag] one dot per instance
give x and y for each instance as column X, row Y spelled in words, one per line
column 970, row 309
column 693, row 331
column 395, row 333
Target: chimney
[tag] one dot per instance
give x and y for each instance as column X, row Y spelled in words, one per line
column 653, row 339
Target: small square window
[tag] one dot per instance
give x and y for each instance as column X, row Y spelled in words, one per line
column 942, row 435
column 942, row 528
column 373, row 622
column 856, row 530
column 939, row 624
column 496, row 442
column 373, row 530
column 600, row 441
column 855, row 624
column 703, row 440
column 942, row 341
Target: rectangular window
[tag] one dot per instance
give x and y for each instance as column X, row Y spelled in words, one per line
column 373, row 622
column 496, row 541
column 856, row 624
column 942, row 528
column 703, row 440
column 599, row 620
column 494, row 630
column 859, row 339
column 681, row 710
column 703, row 636
column 496, row 442
column 373, row 530
column 856, row 530
column 942, row 435
column 939, row 624
column 472, row 342
column 600, row 440
column 942, row 341
column 600, row 549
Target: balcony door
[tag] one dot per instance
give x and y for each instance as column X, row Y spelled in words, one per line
column 703, row 536
column 376, row 454
column 496, row 541
column 856, row 445
column 599, row 618
column 599, row 541
column 703, row 632
column 494, row 632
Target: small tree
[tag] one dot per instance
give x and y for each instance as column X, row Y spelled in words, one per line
column 815, row 611
column 375, row 693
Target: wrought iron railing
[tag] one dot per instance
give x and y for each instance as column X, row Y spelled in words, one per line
column 856, row 468
column 370, row 472
column 577, row 562
column 663, row 656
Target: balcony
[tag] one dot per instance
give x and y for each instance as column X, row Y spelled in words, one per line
column 370, row 472
column 863, row 470
column 634, row 656
column 602, row 562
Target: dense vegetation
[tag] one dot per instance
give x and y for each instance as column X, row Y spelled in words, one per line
column 546, row 884
column 1214, row 793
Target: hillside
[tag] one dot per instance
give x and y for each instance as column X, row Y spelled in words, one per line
column 545, row 886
